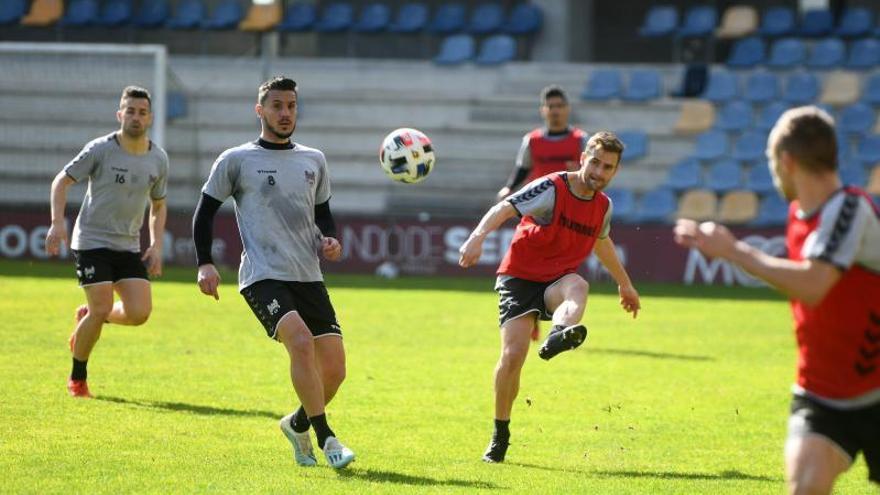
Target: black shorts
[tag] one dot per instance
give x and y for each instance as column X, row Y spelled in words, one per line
column 101, row 266
column 854, row 431
column 270, row 300
column 517, row 297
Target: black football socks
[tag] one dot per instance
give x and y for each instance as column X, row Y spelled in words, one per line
column 300, row 421
column 322, row 429
column 500, row 441
column 562, row 339
column 79, row 371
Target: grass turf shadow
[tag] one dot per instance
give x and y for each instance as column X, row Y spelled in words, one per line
column 723, row 475
column 190, row 408
column 379, row 476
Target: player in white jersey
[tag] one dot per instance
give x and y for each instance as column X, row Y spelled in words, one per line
column 124, row 170
column 281, row 191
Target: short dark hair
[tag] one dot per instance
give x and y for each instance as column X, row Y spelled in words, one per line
column 136, row 92
column 807, row 134
column 553, row 91
column 280, row 83
column 607, row 141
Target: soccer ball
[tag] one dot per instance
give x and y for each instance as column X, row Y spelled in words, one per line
column 406, row 155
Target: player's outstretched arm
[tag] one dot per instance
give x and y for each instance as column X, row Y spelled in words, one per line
column 472, row 248
column 203, row 237
column 629, row 297
column 57, row 233
column 153, row 254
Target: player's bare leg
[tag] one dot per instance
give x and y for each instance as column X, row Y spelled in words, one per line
column 515, row 335
column 99, row 300
column 812, row 463
column 330, row 359
column 135, row 302
column 567, row 298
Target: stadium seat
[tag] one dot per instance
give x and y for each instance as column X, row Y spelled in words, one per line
column 656, row 205
column 623, row 204
column 772, row 211
column 761, row 86
column 696, row 116
column 725, row 175
column 722, row 86
column 44, row 13
column 855, row 22
column 841, row 88
column 873, row 186
column 336, row 17
column 738, row 207
column 448, row 18
column 11, row 11
column 115, row 13
column 80, row 13
column 686, row 174
column 857, row 118
column 735, row 115
column 747, row 53
column 777, row 22
column 816, row 23
column 373, row 18
column 768, row 115
column 786, row 53
column 864, row 54
column 496, row 49
column 486, row 18
column 603, row 84
column 226, row 15
column 871, row 90
column 699, row 21
column 299, row 17
column 737, row 21
column 524, row 18
column 853, row 174
column 750, row 146
column 456, row 49
column 711, row 145
column 660, row 20
column 261, row 17
column 410, row 18
column 188, row 15
column 635, row 144
column 800, row 88
column 151, row 14
column 176, row 105
column 644, row 85
column 829, row 53
column 758, row 179
column 698, row 204
column 868, row 149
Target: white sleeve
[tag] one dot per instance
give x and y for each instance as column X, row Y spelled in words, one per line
column 606, row 222
column 838, row 237
column 223, row 178
column 536, row 199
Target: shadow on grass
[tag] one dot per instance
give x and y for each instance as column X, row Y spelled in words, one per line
column 190, row 408
column 378, row 476
column 546, row 468
column 649, row 354
column 723, row 475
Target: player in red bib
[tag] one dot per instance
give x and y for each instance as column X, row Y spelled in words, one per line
column 832, row 276
column 565, row 216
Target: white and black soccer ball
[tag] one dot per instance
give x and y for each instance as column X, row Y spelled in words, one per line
column 407, row 155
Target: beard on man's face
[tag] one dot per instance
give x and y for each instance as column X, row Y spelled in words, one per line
column 279, row 134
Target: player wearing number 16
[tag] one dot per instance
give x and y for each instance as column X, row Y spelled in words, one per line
column 124, row 170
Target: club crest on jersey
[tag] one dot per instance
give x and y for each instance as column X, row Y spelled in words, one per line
column 310, row 177
column 273, row 307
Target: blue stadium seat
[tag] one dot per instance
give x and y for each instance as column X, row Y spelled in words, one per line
column 787, row 53
column 853, row 174
column 373, row 18
column 871, row 89
column 864, row 54
column 644, row 85
column 773, row 211
column 777, row 22
column 698, row 21
column 656, row 205
column 724, row 176
column 758, row 179
column 176, row 105
column 226, row 15
column 761, row 86
column 855, row 22
column 496, row 49
column 299, row 17
column 685, row 174
column 188, row 15
column 448, row 18
column 115, row 13
column 768, row 115
column 857, row 118
column 410, row 18
column 711, row 145
column 337, row 17
column 152, row 14
column 660, row 20
column 816, row 23
column 11, row 11
column 750, row 146
column 486, row 18
column 635, row 144
column 623, row 204
column 868, row 149
column 722, row 86
column 80, row 13
column 800, row 88
column 603, row 84
column 735, row 115
column 456, row 49
column 828, row 53
column 747, row 53
column 525, row 18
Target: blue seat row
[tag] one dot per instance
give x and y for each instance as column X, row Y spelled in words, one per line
column 642, row 85
column 460, row 48
column 786, row 53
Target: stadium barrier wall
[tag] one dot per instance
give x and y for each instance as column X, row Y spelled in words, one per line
column 412, row 246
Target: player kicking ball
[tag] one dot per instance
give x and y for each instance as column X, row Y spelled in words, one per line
column 564, row 217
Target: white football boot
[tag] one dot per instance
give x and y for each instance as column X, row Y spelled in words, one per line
column 302, row 443
column 337, row 455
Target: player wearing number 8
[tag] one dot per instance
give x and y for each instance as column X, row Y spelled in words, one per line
column 124, row 170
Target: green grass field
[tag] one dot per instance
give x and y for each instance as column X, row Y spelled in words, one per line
column 690, row 398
